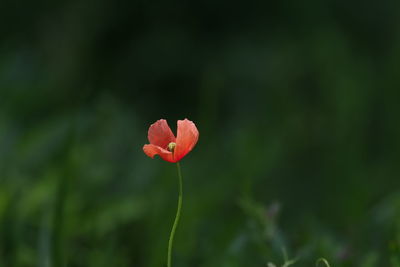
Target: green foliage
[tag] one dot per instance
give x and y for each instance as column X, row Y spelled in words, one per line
column 297, row 108
column 322, row 261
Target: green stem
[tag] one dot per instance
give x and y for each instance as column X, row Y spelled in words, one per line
column 178, row 215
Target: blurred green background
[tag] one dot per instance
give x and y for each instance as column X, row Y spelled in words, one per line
column 297, row 104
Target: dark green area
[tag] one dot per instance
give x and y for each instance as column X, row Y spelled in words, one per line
column 297, row 104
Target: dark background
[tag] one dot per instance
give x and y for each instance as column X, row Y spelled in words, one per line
column 297, row 104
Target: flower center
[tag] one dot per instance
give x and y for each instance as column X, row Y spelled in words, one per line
column 171, row 146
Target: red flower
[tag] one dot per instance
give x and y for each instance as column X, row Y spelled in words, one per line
column 164, row 143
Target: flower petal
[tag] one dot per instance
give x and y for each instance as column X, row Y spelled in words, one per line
column 186, row 138
column 152, row 150
column 160, row 134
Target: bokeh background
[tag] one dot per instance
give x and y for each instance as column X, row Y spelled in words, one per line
column 297, row 104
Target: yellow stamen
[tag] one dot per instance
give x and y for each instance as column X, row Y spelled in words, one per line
column 171, row 146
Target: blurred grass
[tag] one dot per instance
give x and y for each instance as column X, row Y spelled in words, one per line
column 297, row 107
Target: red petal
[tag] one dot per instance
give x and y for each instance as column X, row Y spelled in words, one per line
column 160, row 134
column 186, row 138
column 152, row 150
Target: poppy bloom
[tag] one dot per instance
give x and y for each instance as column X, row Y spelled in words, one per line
column 164, row 143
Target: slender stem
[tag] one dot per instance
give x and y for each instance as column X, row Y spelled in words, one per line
column 178, row 215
